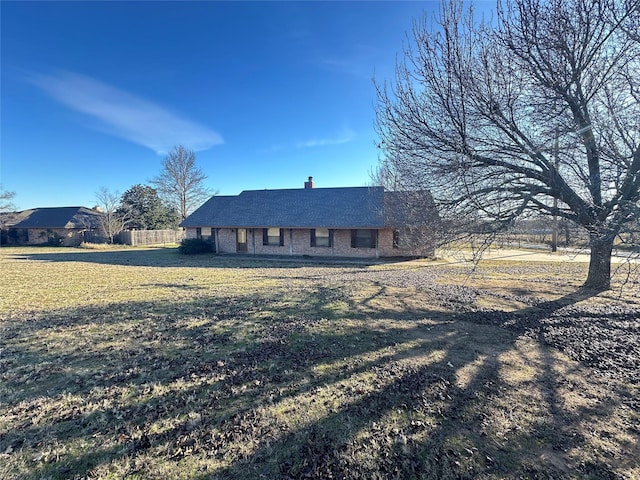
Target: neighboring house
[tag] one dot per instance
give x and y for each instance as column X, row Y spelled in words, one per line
column 347, row 222
column 7, row 221
column 52, row 225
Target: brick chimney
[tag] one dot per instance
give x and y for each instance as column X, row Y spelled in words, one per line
column 309, row 184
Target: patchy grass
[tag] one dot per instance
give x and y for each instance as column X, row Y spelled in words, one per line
column 141, row 363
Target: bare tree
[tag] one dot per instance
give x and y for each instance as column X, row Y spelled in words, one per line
column 411, row 212
column 181, row 181
column 536, row 111
column 5, row 200
column 114, row 219
column 385, row 175
column 6, row 218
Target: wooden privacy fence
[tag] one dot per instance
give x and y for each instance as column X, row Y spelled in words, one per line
column 151, row 237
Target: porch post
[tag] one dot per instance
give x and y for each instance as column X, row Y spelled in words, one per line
column 253, row 240
column 291, row 242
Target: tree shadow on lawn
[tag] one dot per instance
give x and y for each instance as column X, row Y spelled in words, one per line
column 171, row 257
column 216, row 389
column 498, row 423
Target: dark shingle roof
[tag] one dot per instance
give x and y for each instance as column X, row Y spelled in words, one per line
column 351, row 207
column 60, row 217
column 9, row 219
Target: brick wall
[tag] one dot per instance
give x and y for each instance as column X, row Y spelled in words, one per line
column 226, row 240
column 298, row 242
column 66, row 237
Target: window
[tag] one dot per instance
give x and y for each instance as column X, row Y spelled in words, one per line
column 364, row 238
column 321, row 237
column 396, row 239
column 198, row 232
column 273, row 236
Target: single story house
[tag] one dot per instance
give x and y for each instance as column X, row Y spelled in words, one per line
column 53, row 225
column 347, row 222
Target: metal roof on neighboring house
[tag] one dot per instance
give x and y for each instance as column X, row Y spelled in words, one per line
column 60, row 217
column 347, row 207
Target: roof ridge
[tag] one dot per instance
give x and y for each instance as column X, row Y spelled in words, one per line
column 56, row 208
column 375, row 187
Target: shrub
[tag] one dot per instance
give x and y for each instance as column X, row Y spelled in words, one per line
column 191, row 246
column 54, row 239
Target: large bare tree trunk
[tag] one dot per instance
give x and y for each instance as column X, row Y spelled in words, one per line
column 599, row 277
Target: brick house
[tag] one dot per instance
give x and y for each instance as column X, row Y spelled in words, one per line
column 66, row 226
column 347, row 222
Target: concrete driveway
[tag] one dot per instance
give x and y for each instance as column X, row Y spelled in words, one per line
column 534, row 255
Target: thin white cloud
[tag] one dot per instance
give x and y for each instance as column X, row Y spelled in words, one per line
column 125, row 115
column 348, row 67
column 344, row 137
column 359, row 61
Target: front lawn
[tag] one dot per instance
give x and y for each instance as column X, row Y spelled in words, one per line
column 142, row 363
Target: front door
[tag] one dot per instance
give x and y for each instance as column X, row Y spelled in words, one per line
column 241, row 240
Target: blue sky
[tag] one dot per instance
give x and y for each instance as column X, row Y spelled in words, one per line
column 267, row 93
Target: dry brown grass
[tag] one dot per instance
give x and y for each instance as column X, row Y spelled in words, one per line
column 146, row 364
